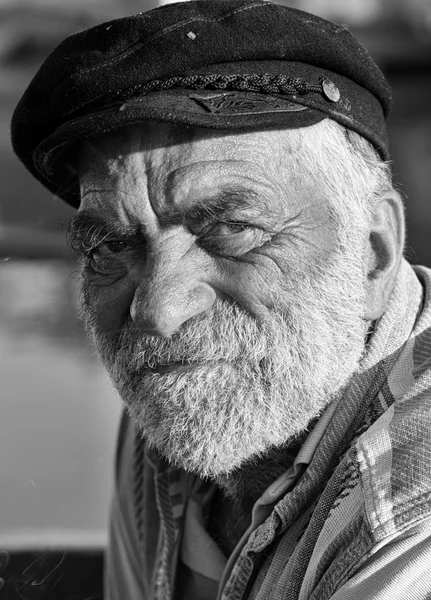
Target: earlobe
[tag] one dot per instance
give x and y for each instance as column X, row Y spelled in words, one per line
column 385, row 250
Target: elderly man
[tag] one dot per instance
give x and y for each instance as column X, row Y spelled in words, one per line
column 243, row 282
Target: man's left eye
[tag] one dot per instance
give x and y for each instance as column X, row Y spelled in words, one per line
column 232, row 238
column 227, row 228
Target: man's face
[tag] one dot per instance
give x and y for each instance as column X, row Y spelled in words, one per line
column 215, row 290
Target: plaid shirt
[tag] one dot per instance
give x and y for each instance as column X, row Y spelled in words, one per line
column 357, row 523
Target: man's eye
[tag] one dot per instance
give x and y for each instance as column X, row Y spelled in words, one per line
column 232, row 238
column 227, row 228
column 101, row 257
column 108, row 248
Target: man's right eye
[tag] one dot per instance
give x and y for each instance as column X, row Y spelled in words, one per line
column 104, row 257
column 108, row 248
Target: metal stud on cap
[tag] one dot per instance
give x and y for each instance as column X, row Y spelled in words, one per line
column 330, row 90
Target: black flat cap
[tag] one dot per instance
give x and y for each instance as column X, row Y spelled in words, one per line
column 221, row 64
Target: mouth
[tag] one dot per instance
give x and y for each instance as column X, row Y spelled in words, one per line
column 182, row 367
column 177, row 367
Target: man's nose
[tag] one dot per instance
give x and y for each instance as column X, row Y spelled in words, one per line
column 169, row 297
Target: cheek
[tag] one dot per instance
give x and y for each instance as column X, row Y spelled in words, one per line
column 272, row 275
column 109, row 305
column 262, row 282
column 250, row 283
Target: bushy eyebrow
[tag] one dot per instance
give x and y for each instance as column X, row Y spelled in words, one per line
column 87, row 229
column 210, row 207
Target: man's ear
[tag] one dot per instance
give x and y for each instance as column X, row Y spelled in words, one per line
column 385, row 250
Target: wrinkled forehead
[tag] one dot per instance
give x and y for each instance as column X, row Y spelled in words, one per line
column 174, row 168
column 169, row 145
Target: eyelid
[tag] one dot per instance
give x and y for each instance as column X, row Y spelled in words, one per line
column 231, row 226
column 107, row 242
column 92, row 255
column 228, row 220
column 118, row 239
column 234, row 244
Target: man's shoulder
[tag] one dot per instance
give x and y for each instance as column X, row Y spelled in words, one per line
column 381, row 488
column 394, row 453
column 385, row 498
column 382, row 485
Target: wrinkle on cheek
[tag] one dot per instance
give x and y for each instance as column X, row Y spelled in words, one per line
column 248, row 283
column 310, row 233
column 275, row 269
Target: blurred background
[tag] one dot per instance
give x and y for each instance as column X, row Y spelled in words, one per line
column 58, row 412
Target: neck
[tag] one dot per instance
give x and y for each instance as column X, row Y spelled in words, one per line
column 239, row 490
column 244, row 486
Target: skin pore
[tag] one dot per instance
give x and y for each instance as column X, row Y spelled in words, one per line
column 220, row 301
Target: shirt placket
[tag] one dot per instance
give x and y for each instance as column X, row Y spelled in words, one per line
column 238, row 582
column 170, row 505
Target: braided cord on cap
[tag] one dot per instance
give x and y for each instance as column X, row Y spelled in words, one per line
column 265, row 83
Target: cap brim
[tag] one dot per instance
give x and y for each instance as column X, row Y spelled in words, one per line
column 220, row 110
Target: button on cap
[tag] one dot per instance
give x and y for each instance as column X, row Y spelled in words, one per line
column 330, row 90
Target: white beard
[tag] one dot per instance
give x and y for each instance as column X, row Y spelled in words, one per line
column 250, row 385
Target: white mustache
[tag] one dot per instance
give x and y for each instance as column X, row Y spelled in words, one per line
column 226, row 333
